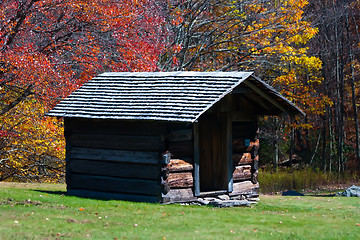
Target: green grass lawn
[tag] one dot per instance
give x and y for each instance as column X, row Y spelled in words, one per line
column 42, row 211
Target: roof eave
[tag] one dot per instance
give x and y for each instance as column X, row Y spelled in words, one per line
column 289, row 108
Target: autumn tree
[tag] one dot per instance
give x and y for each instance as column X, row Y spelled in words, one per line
column 337, row 45
column 232, row 35
column 267, row 37
column 48, row 48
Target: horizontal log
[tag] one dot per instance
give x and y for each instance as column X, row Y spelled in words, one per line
column 181, row 149
column 180, row 135
column 245, row 188
column 114, row 155
column 112, row 169
column 114, row 127
column 242, row 173
column 180, row 180
column 119, row 142
column 239, row 159
column 178, row 165
column 212, row 193
column 179, row 195
column 115, row 185
column 113, row 196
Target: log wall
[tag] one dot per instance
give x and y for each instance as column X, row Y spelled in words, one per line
column 147, row 161
column 181, row 166
column 115, row 159
column 245, row 158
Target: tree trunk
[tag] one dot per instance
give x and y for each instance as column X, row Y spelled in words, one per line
column 353, row 94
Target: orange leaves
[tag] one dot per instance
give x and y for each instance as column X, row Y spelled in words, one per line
column 57, row 46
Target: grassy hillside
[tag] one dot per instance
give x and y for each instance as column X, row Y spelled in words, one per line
column 43, row 211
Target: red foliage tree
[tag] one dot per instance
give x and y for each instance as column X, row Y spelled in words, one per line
column 48, row 48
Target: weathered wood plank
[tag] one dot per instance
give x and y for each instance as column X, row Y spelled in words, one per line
column 181, row 149
column 213, row 193
column 178, row 165
column 196, row 159
column 180, row 180
column 213, row 161
column 242, row 173
column 245, row 188
column 115, row 127
column 116, row 185
column 264, row 95
column 111, row 169
column 239, row 159
column 114, row 155
column 112, row 196
column 180, row 135
column 68, row 148
column 228, row 147
column 121, row 142
column 179, row 195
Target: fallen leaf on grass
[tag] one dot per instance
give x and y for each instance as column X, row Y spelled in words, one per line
column 358, row 224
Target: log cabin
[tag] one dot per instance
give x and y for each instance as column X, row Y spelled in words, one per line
column 166, row 136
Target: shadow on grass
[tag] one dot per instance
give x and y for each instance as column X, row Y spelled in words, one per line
column 61, row 193
column 65, row 193
column 320, row 195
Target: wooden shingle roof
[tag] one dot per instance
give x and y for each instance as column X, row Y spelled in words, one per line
column 169, row 96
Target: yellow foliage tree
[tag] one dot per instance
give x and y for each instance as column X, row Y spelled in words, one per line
column 32, row 146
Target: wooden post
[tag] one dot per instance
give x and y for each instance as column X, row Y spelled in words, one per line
column 228, row 142
column 68, row 148
column 196, row 159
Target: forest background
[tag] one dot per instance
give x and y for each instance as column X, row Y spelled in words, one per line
column 308, row 50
